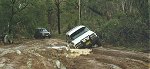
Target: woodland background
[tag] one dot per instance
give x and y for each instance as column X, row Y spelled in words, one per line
column 118, row 22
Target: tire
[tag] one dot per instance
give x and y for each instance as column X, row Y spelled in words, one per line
column 77, row 47
column 98, row 43
column 42, row 37
column 71, row 46
column 49, row 36
column 36, row 37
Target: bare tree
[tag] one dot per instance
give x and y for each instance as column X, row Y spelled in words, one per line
column 20, row 7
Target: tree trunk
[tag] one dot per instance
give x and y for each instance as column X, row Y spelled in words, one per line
column 49, row 19
column 58, row 17
column 11, row 17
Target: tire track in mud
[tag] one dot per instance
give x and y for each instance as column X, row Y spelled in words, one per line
column 121, row 62
column 87, row 62
column 125, row 60
column 137, row 56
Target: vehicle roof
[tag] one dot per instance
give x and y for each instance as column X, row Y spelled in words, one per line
column 74, row 29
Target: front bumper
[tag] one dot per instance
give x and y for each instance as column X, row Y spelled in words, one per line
column 87, row 43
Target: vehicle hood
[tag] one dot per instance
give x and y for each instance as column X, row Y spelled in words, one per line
column 78, row 39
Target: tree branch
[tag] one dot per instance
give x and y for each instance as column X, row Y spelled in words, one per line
column 21, row 8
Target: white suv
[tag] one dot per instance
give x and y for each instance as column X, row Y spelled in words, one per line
column 82, row 37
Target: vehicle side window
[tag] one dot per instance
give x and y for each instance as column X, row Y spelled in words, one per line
column 41, row 30
column 44, row 30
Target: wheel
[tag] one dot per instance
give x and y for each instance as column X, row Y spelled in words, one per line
column 71, row 46
column 42, row 37
column 36, row 37
column 98, row 43
column 77, row 47
column 49, row 36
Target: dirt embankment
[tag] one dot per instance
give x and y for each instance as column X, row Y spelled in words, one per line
column 52, row 54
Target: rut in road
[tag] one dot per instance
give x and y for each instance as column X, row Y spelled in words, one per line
column 117, row 53
column 125, row 60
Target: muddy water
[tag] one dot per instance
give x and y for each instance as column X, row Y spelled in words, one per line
column 77, row 52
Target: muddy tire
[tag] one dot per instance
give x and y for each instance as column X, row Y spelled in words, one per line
column 43, row 37
column 49, row 36
column 98, row 43
column 71, row 46
column 77, row 47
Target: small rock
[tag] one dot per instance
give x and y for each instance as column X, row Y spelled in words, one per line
column 59, row 65
column 18, row 52
column 1, row 65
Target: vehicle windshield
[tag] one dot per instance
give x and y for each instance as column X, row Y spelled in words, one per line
column 41, row 30
column 78, row 33
column 44, row 30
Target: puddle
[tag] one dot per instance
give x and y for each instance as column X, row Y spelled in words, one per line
column 77, row 52
column 59, row 47
column 72, row 53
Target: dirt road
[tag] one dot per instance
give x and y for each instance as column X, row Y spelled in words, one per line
column 53, row 54
column 102, row 58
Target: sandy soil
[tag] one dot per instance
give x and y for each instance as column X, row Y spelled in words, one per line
column 53, row 54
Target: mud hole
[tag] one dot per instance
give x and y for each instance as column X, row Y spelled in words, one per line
column 53, row 54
